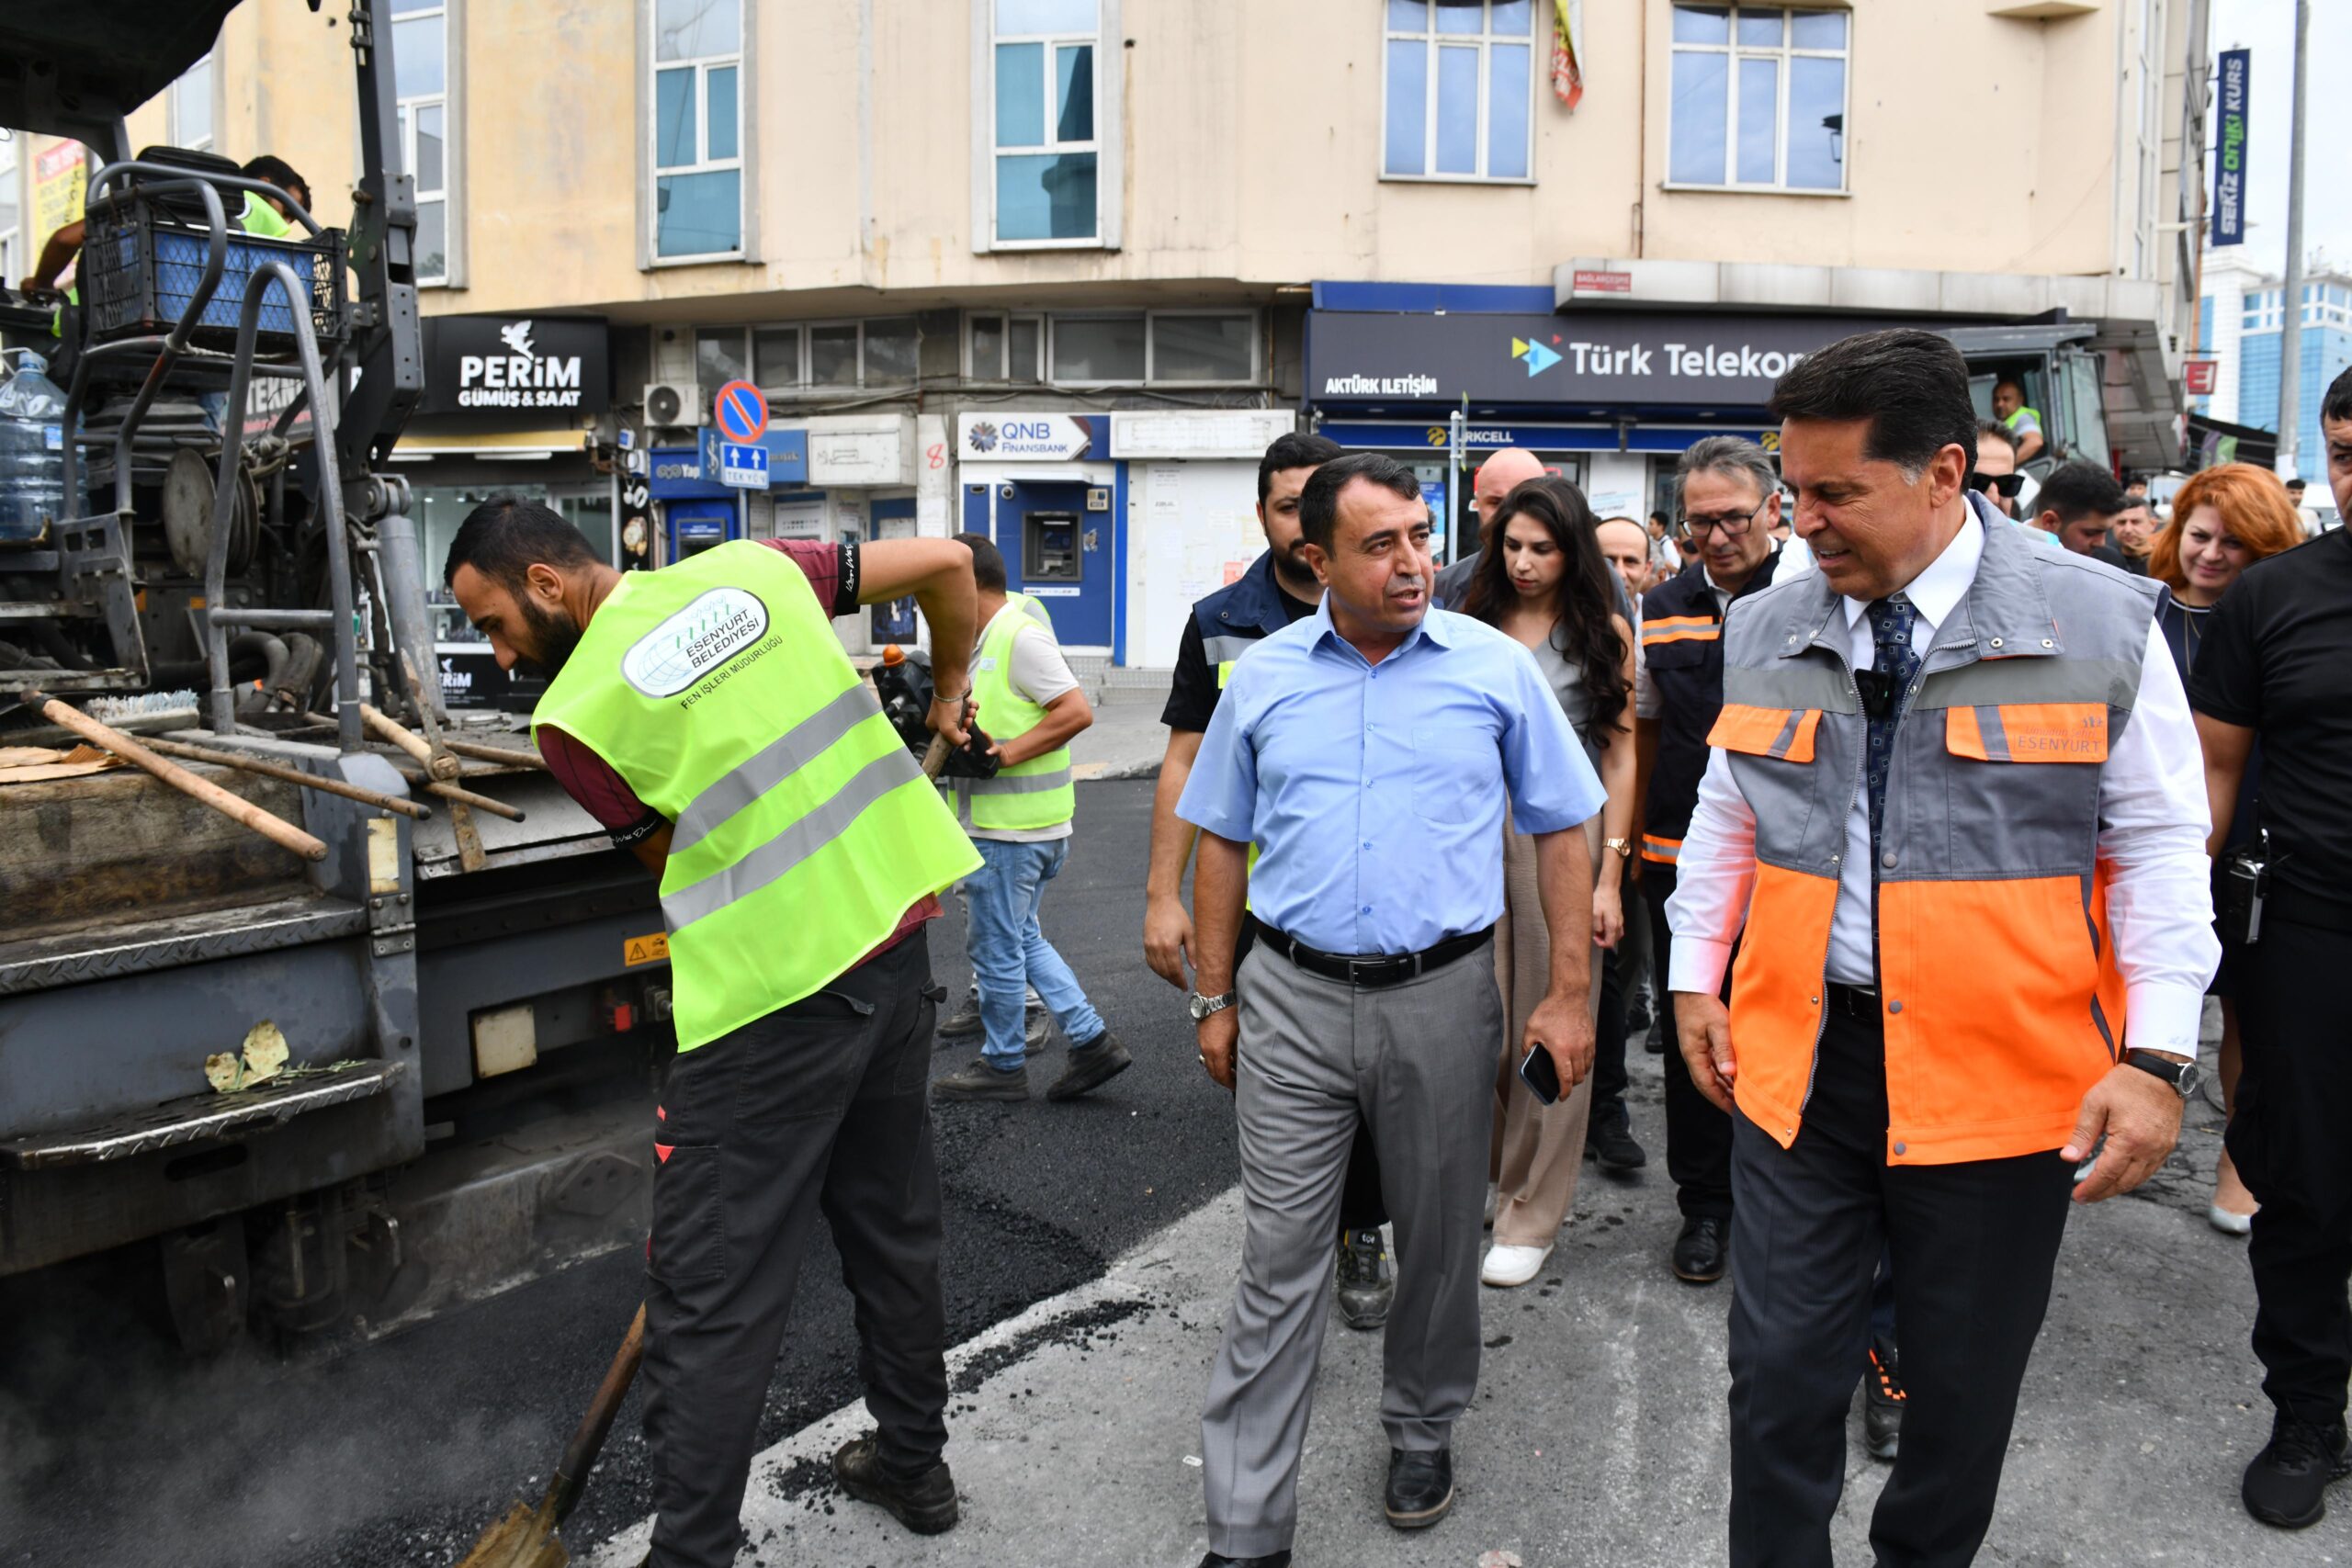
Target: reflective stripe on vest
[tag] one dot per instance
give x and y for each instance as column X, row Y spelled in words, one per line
column 1680, row 628
column 1031, row 794
column 794, row 854
column 2001, row 1003
column 1664, row 851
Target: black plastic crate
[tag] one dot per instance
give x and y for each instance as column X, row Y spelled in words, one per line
column 141, row 266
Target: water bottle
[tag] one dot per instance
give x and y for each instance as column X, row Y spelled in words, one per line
column 32, row 453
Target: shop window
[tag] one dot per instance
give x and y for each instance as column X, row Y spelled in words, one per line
column 420, row 33
column 1046, row 114
column 1007, row 348
column 190, row 108
column 1203, row 347
column 697, row 129
column 1758, row 99
column 1459, row 89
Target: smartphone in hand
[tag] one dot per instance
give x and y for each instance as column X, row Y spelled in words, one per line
column 1541, row 1077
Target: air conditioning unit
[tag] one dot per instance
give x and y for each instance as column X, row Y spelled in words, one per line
column 672, row 403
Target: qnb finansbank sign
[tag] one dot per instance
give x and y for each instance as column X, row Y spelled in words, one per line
column 1592, row 360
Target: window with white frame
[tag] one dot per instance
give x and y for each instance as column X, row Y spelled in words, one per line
column 420, row 66
column 1044, row 68
column 1759, row 98
column 1459, row 89
column 697, row 129
column 1115, row 348
column 782, row 358
column 191, row 108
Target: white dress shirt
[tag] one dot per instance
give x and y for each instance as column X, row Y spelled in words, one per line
column 2152, row 821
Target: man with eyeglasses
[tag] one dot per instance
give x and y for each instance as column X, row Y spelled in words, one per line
column 1730, row 500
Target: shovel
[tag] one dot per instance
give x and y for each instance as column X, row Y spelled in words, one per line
column 527, row 1537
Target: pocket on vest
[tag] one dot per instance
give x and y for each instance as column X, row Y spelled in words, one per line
column 1783, row 733
column 2028, row 732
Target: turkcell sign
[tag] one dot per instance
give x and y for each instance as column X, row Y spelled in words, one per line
column 2229, row 149
column 1586, row 360
column 743, row 468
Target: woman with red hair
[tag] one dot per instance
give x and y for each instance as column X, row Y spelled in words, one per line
column 2224, row 520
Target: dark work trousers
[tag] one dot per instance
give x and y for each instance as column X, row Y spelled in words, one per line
column 1972, row 1247
column 2290, row 1140
column 1609, row 1033
column 1362, row 1208
column 819, row 1106
column 1698, row 1136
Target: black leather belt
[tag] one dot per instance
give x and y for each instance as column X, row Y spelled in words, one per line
column 1853, row 1001
column 1376, row 970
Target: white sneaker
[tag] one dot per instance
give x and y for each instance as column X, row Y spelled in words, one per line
column 1508, row 1265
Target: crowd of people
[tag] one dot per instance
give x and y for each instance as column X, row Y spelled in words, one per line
column 1730, row 779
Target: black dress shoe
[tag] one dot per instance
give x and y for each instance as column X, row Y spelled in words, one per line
column 2287, row 1484
column 1271, row 1560
column 925, row 1505
column 1701, row 1250
column 1420, row 1487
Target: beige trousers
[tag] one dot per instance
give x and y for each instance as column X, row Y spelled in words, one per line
column 1538, row 1150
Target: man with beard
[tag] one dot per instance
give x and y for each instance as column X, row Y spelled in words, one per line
column 1278, row 589
column 707, row 716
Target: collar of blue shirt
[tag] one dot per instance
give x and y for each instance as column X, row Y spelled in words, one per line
column 1433, row 627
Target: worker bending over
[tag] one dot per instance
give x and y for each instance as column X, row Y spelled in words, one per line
column 707, row 716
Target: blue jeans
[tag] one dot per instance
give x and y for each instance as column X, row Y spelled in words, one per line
column 1009, row 953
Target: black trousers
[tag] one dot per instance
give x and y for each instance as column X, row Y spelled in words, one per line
column 1362, row 1208
column 1698, row 1136
column 1973, row 1245
column 822, row 1106
column 1608, row 1031
column 2290, row 1140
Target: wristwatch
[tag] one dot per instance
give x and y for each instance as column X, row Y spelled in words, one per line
column 1624, row 847
column 2184, row 1077
column 1200, row 1007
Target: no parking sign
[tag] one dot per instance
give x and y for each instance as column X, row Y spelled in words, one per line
column 741, row 412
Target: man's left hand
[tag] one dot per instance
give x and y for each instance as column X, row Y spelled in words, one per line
column 2140, row 1113
column 948, row 717
column 1563, row 1025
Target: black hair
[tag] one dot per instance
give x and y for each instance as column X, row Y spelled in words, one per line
column 1584, row 629
column 1912, row 386
column 1318, row 504
column 2298, row 482
column 2076, row 491
column 505, row 537
column 988, row 562
column 1293, row 449
column 280, row 172
column 1998, row 432
column 2337, row 402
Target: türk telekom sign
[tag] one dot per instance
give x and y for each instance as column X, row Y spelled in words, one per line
column 1594, row 360
column 515, row 364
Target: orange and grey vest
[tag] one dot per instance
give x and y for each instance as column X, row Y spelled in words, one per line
column 1997, row 985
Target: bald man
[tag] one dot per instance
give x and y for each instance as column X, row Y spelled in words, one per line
column 1625, row 546
column 1497, row 476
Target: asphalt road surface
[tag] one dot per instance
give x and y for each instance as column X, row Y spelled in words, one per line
column 115, row 1450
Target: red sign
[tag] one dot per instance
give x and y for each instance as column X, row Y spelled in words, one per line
column 741, row 412
column 2197, row 375
column 1590, row 282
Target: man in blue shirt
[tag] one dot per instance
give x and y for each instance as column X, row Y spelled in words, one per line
column 1368, row 750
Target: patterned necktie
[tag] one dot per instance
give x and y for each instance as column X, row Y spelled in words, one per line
column 1890, row 623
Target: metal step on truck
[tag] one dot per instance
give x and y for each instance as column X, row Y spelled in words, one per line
column 326, row 1089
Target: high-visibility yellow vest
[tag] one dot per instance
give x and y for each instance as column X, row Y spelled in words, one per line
column 1032, row 607
column 1035, row 793
column 803, row 831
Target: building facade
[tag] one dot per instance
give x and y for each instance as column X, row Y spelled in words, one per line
column 1054, row 270
column 2241, row 319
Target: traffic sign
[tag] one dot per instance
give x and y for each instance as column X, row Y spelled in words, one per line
column 744, row 468
column 741, row 412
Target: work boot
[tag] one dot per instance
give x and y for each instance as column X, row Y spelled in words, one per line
column 925, row 1505
column 1883, row 1400
column 1610, row 1140
column 1420, row 1487
column 1090, row 1066
column 982, row 1081
column 1702, row 1250
column 966, row 1025
column 2287, row 1484
column 1366, row 1286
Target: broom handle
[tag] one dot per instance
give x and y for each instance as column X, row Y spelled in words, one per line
column 580, row 1454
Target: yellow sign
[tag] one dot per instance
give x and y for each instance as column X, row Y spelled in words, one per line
column 61, row 176
column 637, row 949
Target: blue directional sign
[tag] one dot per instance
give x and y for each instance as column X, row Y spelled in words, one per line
column 739, row 412
column 743, row 468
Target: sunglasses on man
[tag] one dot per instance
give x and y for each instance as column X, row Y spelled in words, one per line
column 2007, row 484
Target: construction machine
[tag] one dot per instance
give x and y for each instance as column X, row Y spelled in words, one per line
column 440, row 1034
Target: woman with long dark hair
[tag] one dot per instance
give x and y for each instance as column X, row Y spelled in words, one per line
column 1542, row 579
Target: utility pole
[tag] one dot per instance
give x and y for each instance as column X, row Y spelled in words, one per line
column 2291, row 329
